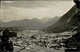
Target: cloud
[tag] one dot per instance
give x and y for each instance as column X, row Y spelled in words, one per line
column 18, row 10
column 27, row 4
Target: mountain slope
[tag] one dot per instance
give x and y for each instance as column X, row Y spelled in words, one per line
column 66, row 22
column 50, row 21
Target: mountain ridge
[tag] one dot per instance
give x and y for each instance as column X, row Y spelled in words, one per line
column 28, row 23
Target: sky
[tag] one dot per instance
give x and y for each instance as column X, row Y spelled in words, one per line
column 19, row 10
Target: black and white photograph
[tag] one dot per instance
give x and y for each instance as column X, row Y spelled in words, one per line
column 40, row 26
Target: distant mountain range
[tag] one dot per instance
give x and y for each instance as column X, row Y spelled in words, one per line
column 31, row 23
column 67, row 22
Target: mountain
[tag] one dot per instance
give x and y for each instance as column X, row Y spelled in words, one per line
column 37, row 20
column 46, row 19
column 67, row 22
column 30, row 23
column 50, row 21
column 26, row 23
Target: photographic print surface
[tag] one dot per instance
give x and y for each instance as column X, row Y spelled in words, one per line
column 39, row 25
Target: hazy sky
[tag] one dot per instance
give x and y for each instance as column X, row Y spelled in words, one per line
column 18, row 10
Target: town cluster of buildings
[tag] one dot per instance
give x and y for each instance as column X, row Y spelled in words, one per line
column 36, row 37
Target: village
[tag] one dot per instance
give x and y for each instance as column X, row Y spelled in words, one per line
column 39, row 38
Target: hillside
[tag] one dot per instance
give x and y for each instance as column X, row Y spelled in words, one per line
column 67, row 22
column 50, row 21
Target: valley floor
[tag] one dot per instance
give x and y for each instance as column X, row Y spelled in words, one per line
column 35, row 48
